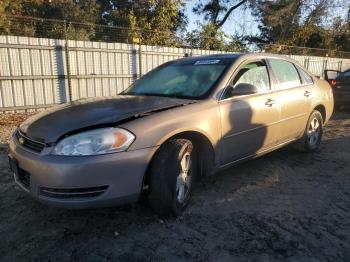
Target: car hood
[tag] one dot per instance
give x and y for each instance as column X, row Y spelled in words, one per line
column 52, row 124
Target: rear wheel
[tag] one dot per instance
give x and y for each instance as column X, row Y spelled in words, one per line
column 172, row 174
column 312, row 137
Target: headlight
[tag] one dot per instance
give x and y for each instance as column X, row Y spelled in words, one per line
column 95, row 142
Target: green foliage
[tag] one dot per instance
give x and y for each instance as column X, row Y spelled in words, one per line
column 8, row 8
column 116, row 12
column 163, row 22
column 71, row 10
column 210, row 34
column 158, row 22
column 207, row 37
column 341, row 35
column 150, row 21
column 278, row 20
column 299, row 23
column 210, row 37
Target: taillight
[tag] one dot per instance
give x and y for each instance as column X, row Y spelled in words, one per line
column 334, row 83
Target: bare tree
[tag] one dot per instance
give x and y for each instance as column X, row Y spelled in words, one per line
column 214, row 8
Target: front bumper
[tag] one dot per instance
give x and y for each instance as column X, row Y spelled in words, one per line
column 84, row 181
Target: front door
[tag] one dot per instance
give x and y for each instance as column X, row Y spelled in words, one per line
column 248, row 121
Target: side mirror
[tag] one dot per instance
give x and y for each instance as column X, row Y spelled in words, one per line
column 243, row 89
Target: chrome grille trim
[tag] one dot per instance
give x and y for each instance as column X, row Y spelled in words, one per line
column 29, row 143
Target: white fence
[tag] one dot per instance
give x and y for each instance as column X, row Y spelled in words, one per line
column 40, row 72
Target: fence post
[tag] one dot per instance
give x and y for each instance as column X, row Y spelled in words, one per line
column 140, row 59
column 66, row 48
column 307, row 63
column 325, row 62
column 340, row 65
column 188, row 51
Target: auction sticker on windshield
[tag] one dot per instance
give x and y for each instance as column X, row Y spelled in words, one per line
column 207, row 62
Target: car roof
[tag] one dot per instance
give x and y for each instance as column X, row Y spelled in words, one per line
column 229, row 57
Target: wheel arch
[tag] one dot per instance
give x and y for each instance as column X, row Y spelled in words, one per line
column 201, row 142
column 322, row 109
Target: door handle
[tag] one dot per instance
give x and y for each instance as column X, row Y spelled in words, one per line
column 307, row 93
column 270, row 102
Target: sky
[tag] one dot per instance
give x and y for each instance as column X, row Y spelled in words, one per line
column 241, row 21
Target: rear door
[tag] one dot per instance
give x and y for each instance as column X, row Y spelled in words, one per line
column 248, row 122
column 294, row 88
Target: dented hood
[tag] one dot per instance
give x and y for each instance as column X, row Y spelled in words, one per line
column 52, row 124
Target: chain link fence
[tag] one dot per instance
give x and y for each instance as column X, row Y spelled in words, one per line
column 302, row 51
column 45, row 61
column 70, row 30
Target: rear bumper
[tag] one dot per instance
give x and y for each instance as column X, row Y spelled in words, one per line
column 81, row 182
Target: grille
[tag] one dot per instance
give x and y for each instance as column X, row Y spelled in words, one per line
column 73, row 193
column 28, row 143
column 23, row 177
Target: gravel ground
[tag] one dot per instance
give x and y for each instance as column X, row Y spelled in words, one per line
column 8, row 123
column 285, row 205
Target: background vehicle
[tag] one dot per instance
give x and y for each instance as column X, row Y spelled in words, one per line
column 187, row 118
column 340, row 82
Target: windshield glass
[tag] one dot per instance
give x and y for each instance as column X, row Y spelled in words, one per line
column 184, row 80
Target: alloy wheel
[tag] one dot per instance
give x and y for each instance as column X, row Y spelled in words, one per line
column 314, row 132
column 184, row 179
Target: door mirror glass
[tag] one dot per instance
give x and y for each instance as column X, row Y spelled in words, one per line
column 243, row 89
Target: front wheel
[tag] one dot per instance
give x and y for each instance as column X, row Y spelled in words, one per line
column 312, row 137
column 172, row 174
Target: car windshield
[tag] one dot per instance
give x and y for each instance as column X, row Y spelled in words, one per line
column 192, row 80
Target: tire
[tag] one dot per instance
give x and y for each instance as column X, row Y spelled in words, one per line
column 170, row 184
column 311, row 140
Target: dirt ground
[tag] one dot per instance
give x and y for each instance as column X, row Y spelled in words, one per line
column 286, row 205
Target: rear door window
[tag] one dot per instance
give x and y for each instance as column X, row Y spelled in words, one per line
column 286, row 74
column 305, row 77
